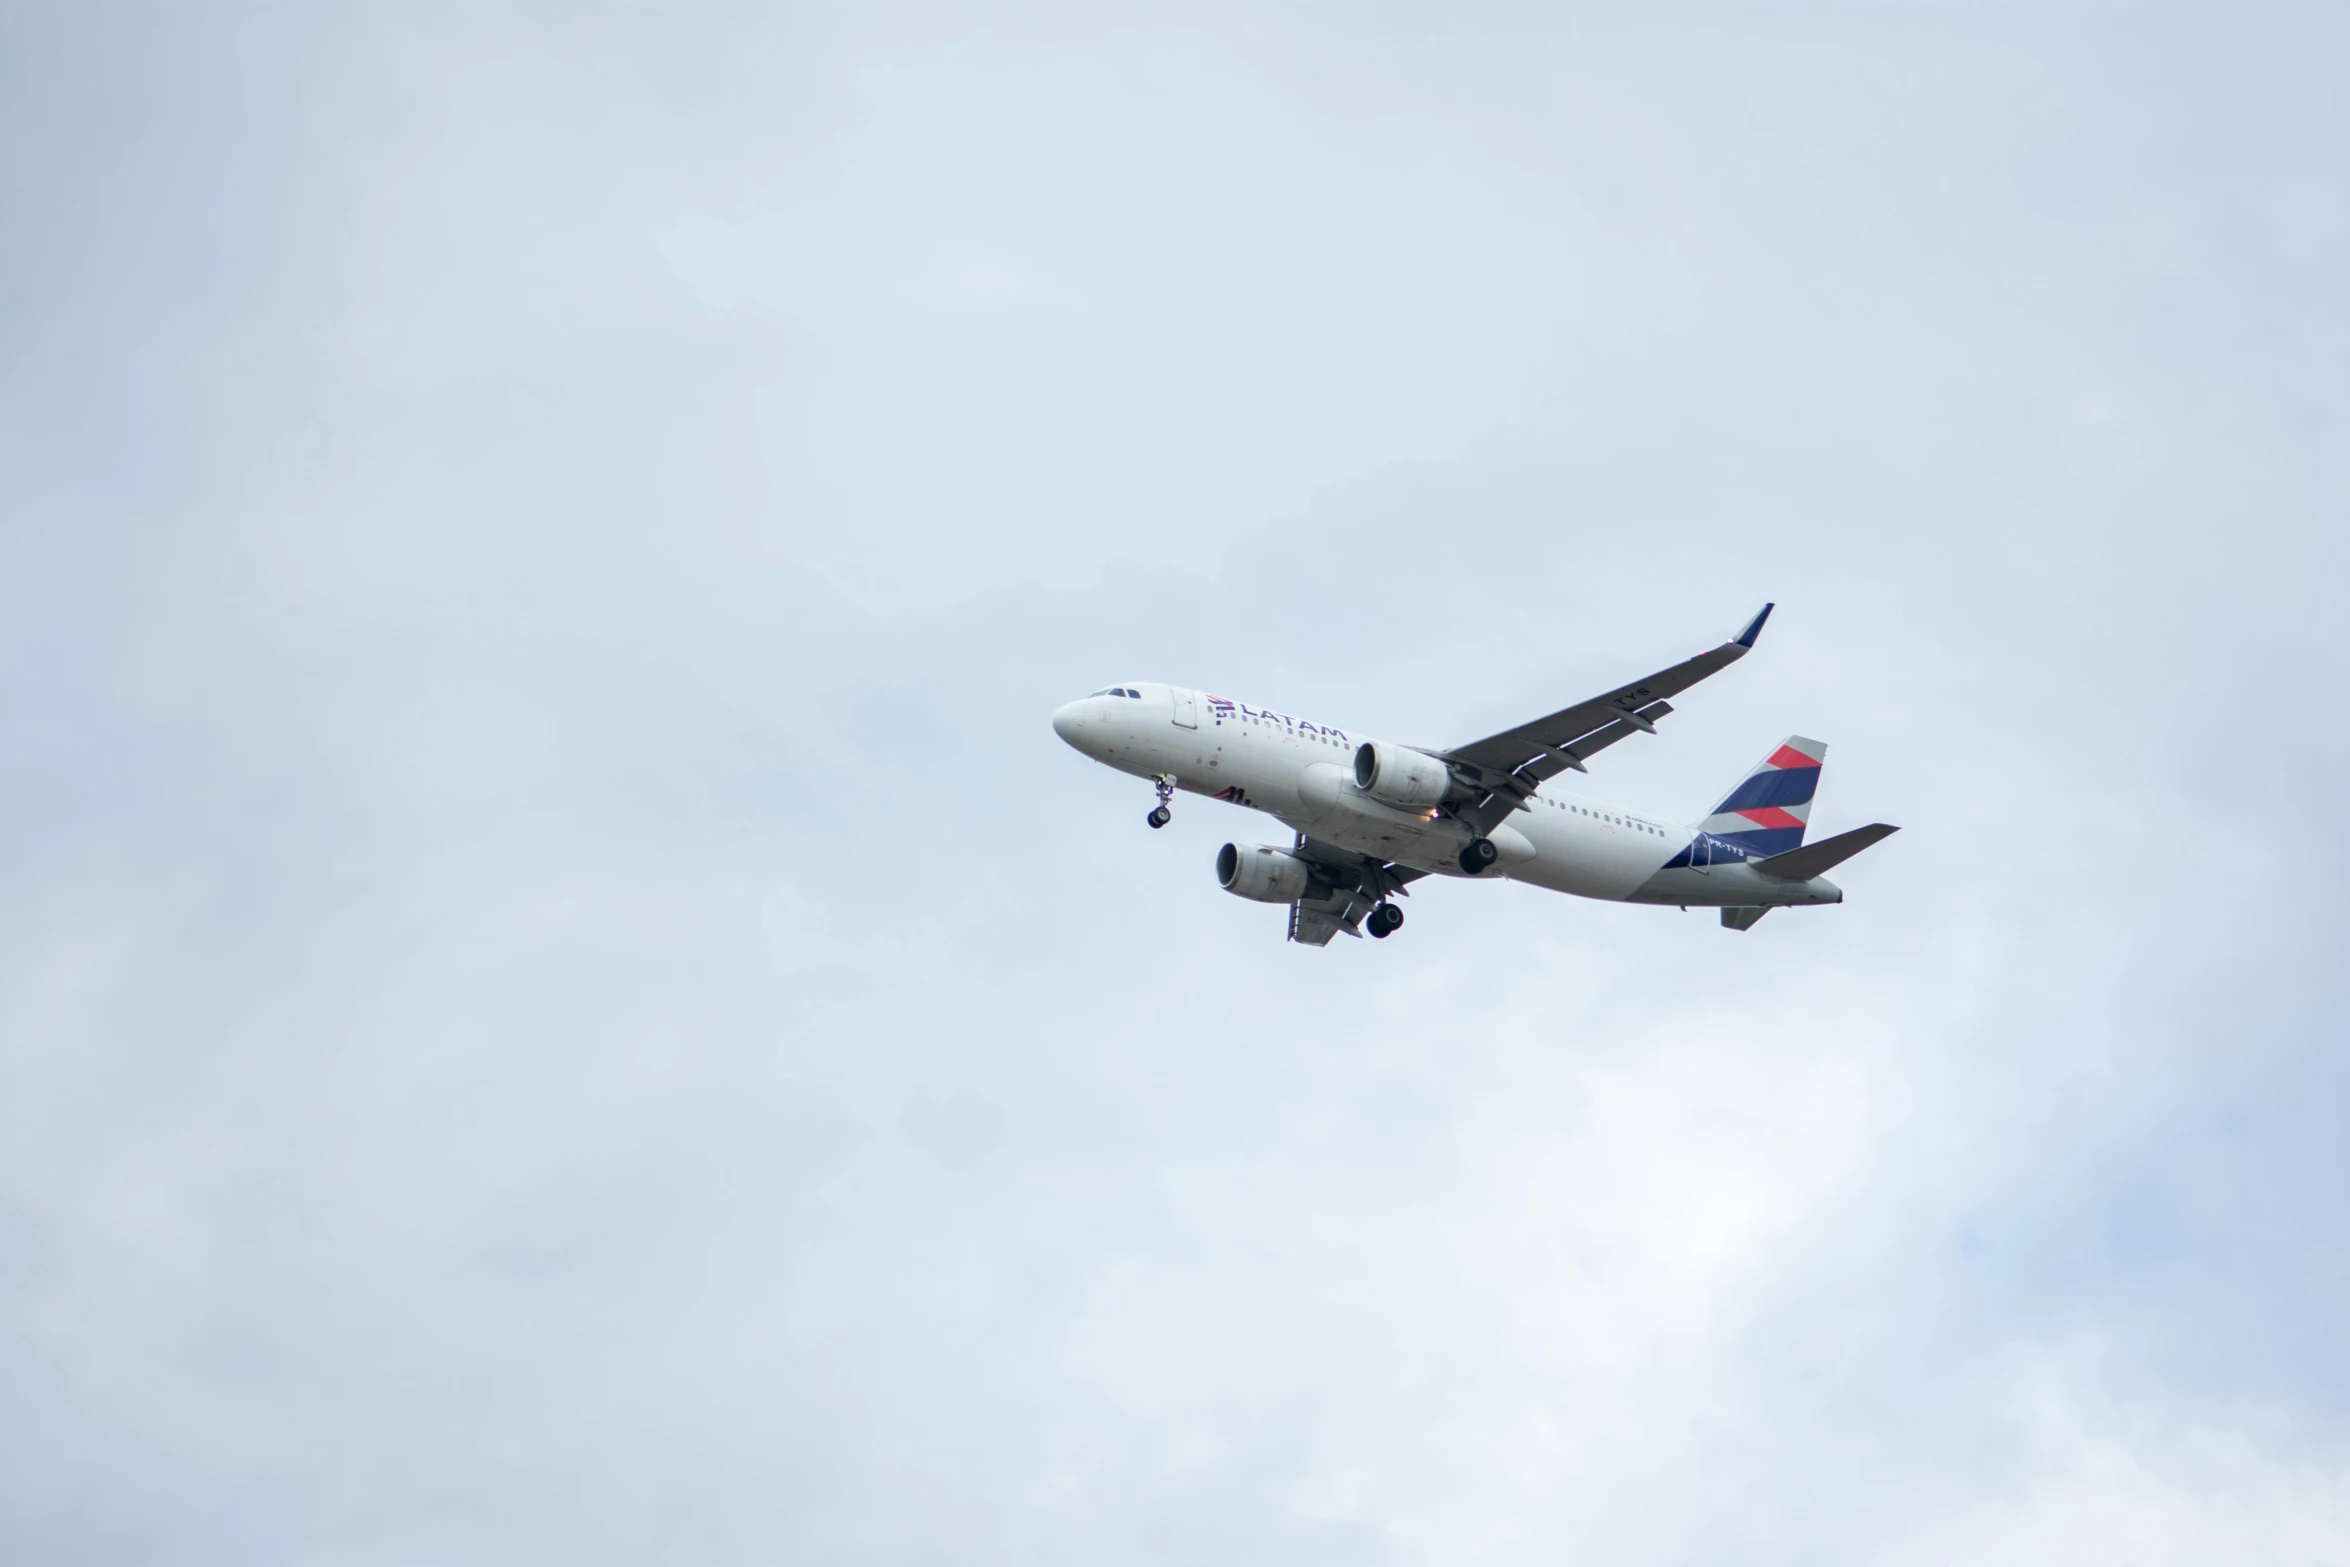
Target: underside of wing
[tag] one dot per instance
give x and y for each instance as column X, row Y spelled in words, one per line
column 1513, row 764
column 1347, row 886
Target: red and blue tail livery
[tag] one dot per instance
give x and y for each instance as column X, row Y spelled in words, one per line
column 1767, row 812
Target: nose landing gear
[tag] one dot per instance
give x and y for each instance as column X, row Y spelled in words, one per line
column 1385, row 921
column 1160, row 816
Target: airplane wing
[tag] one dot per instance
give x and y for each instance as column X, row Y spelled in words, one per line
column 1347, row 886
column 1513, row 764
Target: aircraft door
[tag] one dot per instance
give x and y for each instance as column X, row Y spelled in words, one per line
column 1701, row 855
column 1186, row 708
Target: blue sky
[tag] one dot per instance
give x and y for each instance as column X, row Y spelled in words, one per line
column 561, row 1002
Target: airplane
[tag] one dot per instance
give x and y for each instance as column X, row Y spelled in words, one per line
column 1371, row 816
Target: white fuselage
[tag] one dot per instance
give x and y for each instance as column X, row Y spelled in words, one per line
column 1302, row 773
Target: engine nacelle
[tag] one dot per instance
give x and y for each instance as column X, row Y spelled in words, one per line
column 1400, row 776
column 1263, row 874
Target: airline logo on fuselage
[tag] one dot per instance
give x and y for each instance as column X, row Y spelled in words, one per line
column 1225, row 707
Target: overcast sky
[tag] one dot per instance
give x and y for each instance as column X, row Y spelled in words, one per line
column 560, row 1001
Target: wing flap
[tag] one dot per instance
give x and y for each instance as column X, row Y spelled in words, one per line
column 1511, row 791
column 1315, row 926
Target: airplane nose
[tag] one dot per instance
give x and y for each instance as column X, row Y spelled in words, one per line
column 1065, row 721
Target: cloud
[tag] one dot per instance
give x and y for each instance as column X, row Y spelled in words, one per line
column 562, row 1002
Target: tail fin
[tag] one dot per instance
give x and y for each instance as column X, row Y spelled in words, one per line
column 1767, row 812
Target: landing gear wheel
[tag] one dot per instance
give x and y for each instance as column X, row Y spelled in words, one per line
column 1386, row 920
column 1160, row 816
column 1479, row 856
column 1165, row 784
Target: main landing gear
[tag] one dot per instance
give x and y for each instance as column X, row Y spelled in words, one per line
column 1479, row 856
column 1385, row 921
column 1160, row 816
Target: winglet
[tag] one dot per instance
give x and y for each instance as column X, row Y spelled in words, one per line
column 1754, row 628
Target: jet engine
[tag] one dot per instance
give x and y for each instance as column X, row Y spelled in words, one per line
column 1264, row 874
column 1398, row 775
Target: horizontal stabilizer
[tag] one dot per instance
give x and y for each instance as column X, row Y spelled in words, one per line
column 1743, row 918
column 1817, row 859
